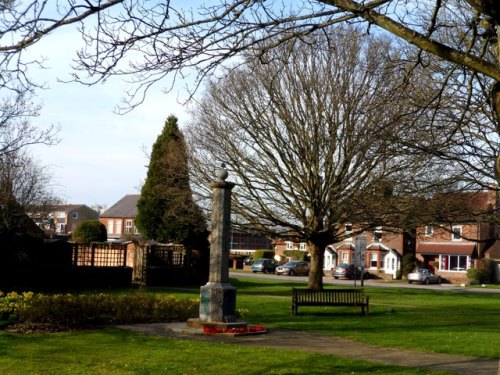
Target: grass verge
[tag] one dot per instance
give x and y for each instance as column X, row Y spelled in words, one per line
column 112, row 351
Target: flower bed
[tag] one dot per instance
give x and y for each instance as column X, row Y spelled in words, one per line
column 246, row 330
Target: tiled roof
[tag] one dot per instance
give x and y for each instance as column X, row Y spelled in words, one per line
column 67, row 207
column 453, row 248
column 125, row 207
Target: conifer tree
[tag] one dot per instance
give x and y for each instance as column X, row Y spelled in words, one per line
column 166, row 209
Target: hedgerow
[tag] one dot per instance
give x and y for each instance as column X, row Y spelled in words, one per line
column 89, row 310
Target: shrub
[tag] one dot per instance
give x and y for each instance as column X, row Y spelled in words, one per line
column 10, row 304
column 295, row 254
column 81, row 311
column 263, row 254
column 483, row 274
column 476, row 275
column 90, row 231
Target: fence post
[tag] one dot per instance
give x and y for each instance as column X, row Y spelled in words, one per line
column 124, row 256
column 75, row 254
column 92, row 256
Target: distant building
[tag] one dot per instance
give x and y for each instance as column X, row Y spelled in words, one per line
column 120, row 218
column 63, row 219
column 246, row 244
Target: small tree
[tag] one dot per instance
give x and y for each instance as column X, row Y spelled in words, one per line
column 90, row 231
column 166, row 210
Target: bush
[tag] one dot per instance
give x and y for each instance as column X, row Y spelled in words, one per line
column 295, row 254
column 476, row 276
column 10, row 304
column 485, row 273
column 263, row 254
column 90, row 231
column 82, row 311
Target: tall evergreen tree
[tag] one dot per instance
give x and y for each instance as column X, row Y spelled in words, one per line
column 166, row 209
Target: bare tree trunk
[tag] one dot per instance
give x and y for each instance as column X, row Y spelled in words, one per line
column 316, row 272
column 495, row 104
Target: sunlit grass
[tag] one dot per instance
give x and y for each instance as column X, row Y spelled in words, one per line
column 113, row 351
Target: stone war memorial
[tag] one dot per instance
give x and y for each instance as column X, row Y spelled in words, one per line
column 217, row 313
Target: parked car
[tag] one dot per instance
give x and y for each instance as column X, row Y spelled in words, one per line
column 264, row 265
column 348, row 271
column 292, row 268
column 423, row 276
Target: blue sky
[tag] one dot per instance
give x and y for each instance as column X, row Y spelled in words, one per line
column 101, row 155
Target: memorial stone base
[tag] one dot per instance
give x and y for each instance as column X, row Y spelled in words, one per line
column 217, row 303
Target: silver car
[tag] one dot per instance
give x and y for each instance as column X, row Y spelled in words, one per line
column 423, row 276
column 293, row 267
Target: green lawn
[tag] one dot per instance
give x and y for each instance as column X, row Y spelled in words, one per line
column 438, row 321
column 113, row 351
column 451, row 322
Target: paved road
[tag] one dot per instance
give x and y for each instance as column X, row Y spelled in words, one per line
column 328, row 280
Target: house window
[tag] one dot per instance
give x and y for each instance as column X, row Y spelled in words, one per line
column 110, row 226
column 377, row 234
column 429, row 231
column 75, row 215
column 118, row 225
column 136, row 231
column 302, row 246
column 456, row 233
column 373, row 260
column 128, row 226
column 345, row 257
column 289, row 245
column 454, row 262
column 61, row 214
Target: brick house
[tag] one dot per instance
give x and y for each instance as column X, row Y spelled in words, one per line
column 63, row 219
column 384, row 250
column 119, row 219
column 281, row 246
column 451, row 249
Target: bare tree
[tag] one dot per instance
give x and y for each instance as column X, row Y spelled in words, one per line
column 146, row 42
column 17, row 130
column 26, row 182
column 171, row 38
column 311, row 143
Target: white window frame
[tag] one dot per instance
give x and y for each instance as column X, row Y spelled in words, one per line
column 288, row 245
column 303, row 246
column 345, row 257
column 373, row 258
column 453, row 233
column 110, row 227
column 448, row 262
column 128, row 226
column 74, row 215
column 118, row 227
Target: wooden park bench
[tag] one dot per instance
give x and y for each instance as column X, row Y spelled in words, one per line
column 329, row 297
